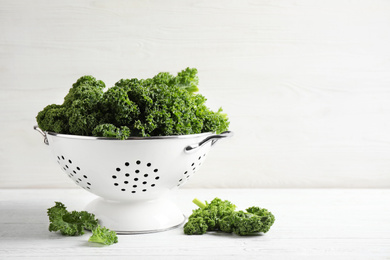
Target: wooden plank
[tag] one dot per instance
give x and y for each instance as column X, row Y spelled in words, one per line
column 323, row 223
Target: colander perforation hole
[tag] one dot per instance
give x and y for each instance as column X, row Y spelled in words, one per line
column 192, row 168
column 72, row 170
column 142, row 173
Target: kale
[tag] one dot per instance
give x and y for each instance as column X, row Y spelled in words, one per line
column 103, row 236
column 219, row 215
column 75, row 223
column 195, row 226
column 109, row 130
column 158, row 106
column 267, row 218
column 208, row 216
column 70, row 223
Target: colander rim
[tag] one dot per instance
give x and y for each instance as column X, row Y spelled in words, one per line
column 130, row 138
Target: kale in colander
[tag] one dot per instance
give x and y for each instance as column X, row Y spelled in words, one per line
column 158, row 106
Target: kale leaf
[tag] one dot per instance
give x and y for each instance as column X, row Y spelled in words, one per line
column 70, row 223
column 103, row 236
column 208, row 216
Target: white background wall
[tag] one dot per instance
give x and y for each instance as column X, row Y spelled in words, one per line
column 306, row 83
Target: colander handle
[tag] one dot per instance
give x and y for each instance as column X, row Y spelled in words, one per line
column 45, row 140
column 211, row 138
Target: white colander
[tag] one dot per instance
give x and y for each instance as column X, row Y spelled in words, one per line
column 132, row 177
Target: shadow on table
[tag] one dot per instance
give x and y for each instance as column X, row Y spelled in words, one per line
column 231, row 235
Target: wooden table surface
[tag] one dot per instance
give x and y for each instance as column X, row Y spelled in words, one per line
column 310, row 223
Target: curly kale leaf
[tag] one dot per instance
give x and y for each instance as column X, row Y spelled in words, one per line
column 83, row 104
column 188, row 79
column 212, row 213
column 70, row 223
column 53, row 118
column 195, row 226
column 85, row 88
column 109, row 130
column 215, row 121
column 82, row 118
column 104, row 236
column 253, row 221
column 117, row 108
column 80, row 111
column 158, row 107
column 245, row 223
column 267, row 218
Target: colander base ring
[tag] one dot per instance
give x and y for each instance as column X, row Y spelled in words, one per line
column 137, row 217
column 150, row 231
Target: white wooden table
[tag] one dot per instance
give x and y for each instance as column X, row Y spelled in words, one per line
column 311, row 223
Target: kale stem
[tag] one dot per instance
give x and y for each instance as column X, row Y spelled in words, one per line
column 199, row 203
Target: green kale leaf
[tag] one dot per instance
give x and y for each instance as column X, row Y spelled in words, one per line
column 70, row 223
column 103, row 236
